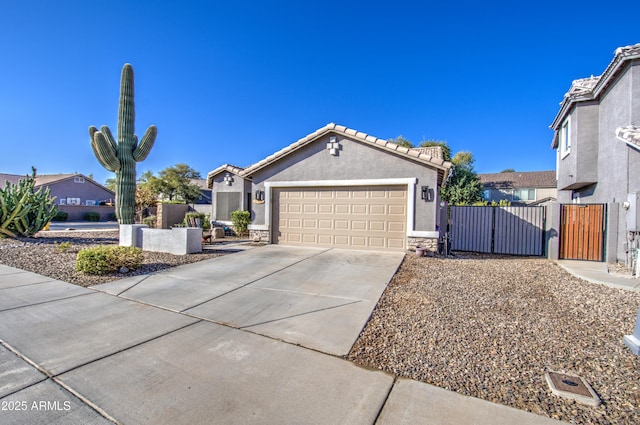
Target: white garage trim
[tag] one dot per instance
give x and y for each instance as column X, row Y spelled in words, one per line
column 409, row 182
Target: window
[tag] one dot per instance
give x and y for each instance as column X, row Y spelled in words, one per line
column 73, row 201
column 78, row 180
column 564, row 138
column 524, row 194
column 486, row 194
column 226, row 203
column 90, row 203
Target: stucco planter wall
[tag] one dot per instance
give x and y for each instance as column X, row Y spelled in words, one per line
column 177, row 241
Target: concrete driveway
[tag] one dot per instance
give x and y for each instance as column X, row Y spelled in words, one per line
column 313, row 297
column 73, row 355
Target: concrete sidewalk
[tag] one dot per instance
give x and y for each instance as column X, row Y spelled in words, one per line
column 167, row 349
column 598, row 272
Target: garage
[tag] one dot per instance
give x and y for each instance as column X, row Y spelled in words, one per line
column 360, row 217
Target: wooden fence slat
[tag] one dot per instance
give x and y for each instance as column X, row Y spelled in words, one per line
column 582, row 232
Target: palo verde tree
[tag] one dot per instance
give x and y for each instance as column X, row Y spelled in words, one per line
column 121, row 157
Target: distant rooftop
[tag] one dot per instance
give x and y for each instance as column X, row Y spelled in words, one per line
column 524, row 179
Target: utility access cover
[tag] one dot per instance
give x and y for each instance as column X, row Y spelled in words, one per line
column 574, row 387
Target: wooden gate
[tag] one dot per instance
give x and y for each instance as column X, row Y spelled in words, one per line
column 498, row 230
column 582, row 232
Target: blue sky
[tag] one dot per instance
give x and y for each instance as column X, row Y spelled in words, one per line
column 234, row 81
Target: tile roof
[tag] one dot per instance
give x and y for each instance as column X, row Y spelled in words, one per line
column 430, row 156
column 629, row 134
column 525, row 179
column 590, row 88
column 238, row 171
column 11, row 178
column 45, row 179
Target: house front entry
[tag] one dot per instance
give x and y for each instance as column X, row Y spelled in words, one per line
column 582, row 229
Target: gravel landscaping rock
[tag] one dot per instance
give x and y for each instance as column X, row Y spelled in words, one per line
column 47, row 255
column 480, row 325
column 490, row 326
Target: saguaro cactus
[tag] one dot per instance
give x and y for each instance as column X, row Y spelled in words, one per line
column 121, row 157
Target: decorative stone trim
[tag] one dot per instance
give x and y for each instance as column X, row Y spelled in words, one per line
column 260, row 235
column 431, row 244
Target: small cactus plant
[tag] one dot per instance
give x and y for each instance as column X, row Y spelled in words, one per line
column 121, row 157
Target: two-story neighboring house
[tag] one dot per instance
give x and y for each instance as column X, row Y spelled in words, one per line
column 596, row 136
column 520, row 188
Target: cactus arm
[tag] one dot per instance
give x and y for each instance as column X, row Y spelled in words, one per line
column 107, row 134
column 105, row 152
column 144, row 147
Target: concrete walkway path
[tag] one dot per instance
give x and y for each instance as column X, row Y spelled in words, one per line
column 251, row 337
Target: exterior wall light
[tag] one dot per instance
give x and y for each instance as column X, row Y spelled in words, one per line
column 259, row 195
column 426, row 193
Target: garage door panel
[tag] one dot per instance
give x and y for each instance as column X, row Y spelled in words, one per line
column 342, row 209
column 341, row 224
column 397, row 209
column 359, row 225
column 360, row 218
column 359, row 209
column 376, row 226
column 325, row 224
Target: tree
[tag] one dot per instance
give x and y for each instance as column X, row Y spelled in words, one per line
column 174, row 183
column 463, row 186
column 110, row 184
column 508, row 170
column 401, row 141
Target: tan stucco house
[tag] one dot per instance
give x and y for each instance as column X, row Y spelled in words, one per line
column 337, row 187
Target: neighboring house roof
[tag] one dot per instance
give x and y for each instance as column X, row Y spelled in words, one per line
column 11, row 178
column 519, row 180
column 426, row 156
column 48, row 179
column 586, row 89
column 201, row 183
column 629, row 134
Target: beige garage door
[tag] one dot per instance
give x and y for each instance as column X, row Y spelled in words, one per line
column 372, row 217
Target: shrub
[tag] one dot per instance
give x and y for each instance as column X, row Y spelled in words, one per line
column 150, row 221
column 113, row 217
column 192, row 217
column 60, row 216
column 108, row 259
column 92, row 216
column 63, row 246
column 241, row 220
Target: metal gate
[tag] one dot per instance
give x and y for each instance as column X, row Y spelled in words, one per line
column 582, row 232
column 498, row 230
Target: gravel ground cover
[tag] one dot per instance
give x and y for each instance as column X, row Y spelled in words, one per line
column 489, row 327
column 42, row 254
column 483, row 326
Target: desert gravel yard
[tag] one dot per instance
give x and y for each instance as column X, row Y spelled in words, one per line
column 483, row 326
column 47, row 254
column 489, row 327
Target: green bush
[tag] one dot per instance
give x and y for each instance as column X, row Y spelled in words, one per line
column 150, row 221
column 108, row 259
column 92, row 216
column 205, row 222
column 241, row 220
column 60, row 216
